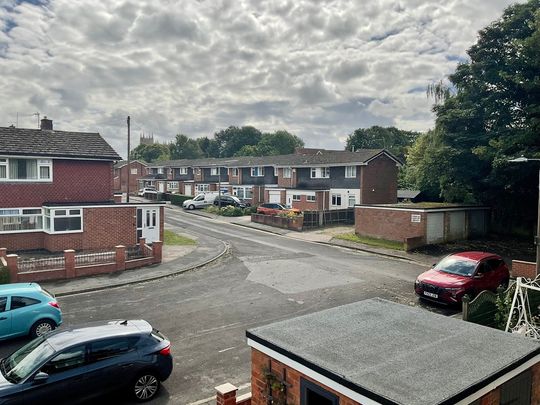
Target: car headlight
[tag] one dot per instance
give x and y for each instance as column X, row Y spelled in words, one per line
column 455, row 291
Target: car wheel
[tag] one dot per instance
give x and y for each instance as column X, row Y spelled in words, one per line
column 42, row 327
column 145, row 387
column 191, row 207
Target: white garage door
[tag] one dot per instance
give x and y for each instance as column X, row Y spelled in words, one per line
column 274, row 196
column 435, row 227
column 456, row 230
column 188, row 189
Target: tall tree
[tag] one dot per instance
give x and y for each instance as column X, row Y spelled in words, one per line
column 209, row 147
column 232, row 139
column 185, row 148
column 275, row 143
column 151, row 153
column 395, row 140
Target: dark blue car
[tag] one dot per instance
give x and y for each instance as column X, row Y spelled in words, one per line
column 74, row 365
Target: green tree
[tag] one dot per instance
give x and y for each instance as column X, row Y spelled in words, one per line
column 209, row 147
column 232, row 139
column 392, row 139
column 275, row 143
column 151, row 153
column 185, row 148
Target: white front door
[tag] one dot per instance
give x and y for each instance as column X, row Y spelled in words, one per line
column 148, row 224
column 188, row 189
column 161, row 186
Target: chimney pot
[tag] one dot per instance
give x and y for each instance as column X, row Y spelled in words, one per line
column 46, row 124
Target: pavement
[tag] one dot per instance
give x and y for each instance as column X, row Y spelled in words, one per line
column 178, row 260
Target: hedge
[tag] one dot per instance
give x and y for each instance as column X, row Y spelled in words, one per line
column 178, row 199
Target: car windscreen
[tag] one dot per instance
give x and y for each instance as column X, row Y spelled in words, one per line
column 24, row 361
column 455, row 265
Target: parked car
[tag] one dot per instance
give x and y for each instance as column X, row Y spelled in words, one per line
column 275, row 209
column 74, row 365
column 462, row 273
column 147, row 190
column 226, row 200
column 200, row 201
column 27, row 309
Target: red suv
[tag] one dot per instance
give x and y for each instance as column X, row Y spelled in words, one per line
column 274, row 209
column 460, row 274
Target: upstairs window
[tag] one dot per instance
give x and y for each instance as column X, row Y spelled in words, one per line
column 350, row 172
column 182, row 170
column 276, row 172
column 320, row 172
column 257, row 171
column 25, row 169
column 234, row 172
column 134, row 170
column 287, row 173
column 214, row 171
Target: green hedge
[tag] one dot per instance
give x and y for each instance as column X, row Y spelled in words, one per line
column 178, row 199
column 4, row 275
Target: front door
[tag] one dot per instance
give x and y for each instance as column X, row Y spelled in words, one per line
column 148, row 224
column 188, row 189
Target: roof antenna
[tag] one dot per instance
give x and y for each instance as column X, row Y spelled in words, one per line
column 36, row 113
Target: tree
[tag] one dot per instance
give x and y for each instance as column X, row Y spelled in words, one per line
column 185, row 148
column 395, row 140
column 232, row 139
column 275, row 143
column 151, row 153
column 209, row 147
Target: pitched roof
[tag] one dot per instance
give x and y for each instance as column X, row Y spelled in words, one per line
column 37, row 142
column 123, row 163
column 397, row 354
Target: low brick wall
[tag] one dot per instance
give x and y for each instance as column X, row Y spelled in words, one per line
column 523, row 269
column 294, row 224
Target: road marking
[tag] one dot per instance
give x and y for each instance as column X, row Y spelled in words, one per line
column 224, row 350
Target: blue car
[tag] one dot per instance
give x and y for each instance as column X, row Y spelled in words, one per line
column 27, row 309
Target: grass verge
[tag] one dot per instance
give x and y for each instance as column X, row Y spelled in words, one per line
column 173, row 239
column 388, row 244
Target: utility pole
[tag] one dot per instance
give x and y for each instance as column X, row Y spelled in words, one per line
column 128, row 158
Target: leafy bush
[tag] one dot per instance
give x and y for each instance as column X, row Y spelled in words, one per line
column 212, row 209
column 230, row 211
column 289, row 214
column 178, row 199
column 4, row 275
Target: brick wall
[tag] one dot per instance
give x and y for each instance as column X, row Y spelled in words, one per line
column 73, row 181
column 121, row 176
column 387, row 224
column 523, row 269
column 306, row 205
column 378, row 181
column 22, row 241
column 286, row 182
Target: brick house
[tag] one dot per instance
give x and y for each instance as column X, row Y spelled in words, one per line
column 379, row 352
column 122, row 173
column 56, row 193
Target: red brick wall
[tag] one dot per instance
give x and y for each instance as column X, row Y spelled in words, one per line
column 387, row 224
column 306, row 205
column 73, row 181
column 235, row 179
column 22, row 241
column 378, row 181
column 121, row 176
column 523, row 269
column 286, row 182
column 197, row 174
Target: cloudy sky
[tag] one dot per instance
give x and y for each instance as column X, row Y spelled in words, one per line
column 317, row 68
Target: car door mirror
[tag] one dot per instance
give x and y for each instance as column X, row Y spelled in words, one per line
column 41, row 377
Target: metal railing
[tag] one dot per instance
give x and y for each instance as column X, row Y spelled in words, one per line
column 135, row 252
column 95, row 258
column 316, row 219
column 49, row 263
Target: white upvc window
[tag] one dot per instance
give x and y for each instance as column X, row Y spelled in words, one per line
column 257, row 171
column 287, row 173
column 21, row 220
column 201, row 188
column 350, row 172
column 160, row 170
column 172, row 185
column 63, row 220
column 214, row 171
column 296, row 197
column 276, row 172
column 336, row 200
column 182, row 170
column 23, row 169
column 134, row 170
column 320, row 172
column 311, row 198
column 234, row 172
column 243, row 192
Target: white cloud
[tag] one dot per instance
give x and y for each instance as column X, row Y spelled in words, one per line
column 319, row 69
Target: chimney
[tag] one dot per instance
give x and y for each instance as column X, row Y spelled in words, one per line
column 46, row 124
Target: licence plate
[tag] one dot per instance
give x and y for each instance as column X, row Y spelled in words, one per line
column 428, row 294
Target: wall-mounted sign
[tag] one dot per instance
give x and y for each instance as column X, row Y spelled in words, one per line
column 416, row 218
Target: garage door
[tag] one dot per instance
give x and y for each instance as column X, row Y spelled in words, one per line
column 188, row 190
column 456, row 228
column 435, row 227
column 274, row 196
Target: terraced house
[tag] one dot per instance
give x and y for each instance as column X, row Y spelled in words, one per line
column 310, row 179
column 56, row 193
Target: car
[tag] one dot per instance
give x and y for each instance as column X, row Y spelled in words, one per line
column 462, row 273
column 201, row 200
column 80, row 363
column 27, row 309
column 225, row 200
column 275, row 209
column 147, row 190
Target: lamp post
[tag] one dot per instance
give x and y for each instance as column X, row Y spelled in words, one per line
column 523, row 159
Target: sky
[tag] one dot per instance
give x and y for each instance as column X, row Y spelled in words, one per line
column 319, row 69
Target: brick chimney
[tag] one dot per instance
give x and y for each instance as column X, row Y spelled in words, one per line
column 46, row 124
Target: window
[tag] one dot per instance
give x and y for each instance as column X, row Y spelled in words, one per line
column 21, row 302
column 234, row 172
column 105, row 349
column 3, row 301
column 287, row 173
column 26, row 169
column 517, row 391
column 257, row 171
column 134, row 170
column 313, row 394
column 296, row 197
column 350, row 171
column 336, row 199
column 63, row 220
column 311, row 198
column 182, row 170
column 21, row 219
column 160, row 170
column 172, row 185
column 352, row 200
column 276, row 172
column 202, row 188
column 214, row 171
column 68, row 359
column 320, row 172
column 243, row 192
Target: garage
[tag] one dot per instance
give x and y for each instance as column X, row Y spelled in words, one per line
column 274, row 196
column 435, row 227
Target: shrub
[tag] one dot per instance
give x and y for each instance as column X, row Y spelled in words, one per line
column 4, row 275
column 230, row 211
column 212, row 209
column 178, row 199
column 289, row 214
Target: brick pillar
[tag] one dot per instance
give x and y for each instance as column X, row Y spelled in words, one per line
column 12, row 268
column 157, row 249
column 142, row 245
column 226, row 394
column 3, row 252
column 120, row 257
column 69, row 263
